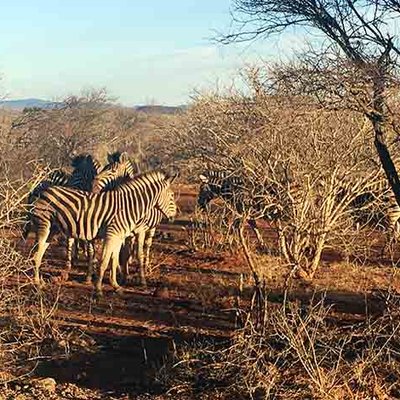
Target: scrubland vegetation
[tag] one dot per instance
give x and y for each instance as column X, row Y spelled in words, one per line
column 310, row 312
column 292, row 334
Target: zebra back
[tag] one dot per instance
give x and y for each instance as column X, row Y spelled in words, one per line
column 122, row 170
column 258, row 199
column 57, row 177
column 218, row 184
column 86, row 215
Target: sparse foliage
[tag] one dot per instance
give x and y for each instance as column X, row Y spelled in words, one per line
column 361, row 37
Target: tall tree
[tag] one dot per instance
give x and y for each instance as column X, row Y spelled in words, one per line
column 362, row 32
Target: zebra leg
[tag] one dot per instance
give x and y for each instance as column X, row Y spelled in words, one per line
column 105, row 259
column 68, row 263
column 42, row 245
column 90, row 254
column 116, row 247
column 147, row 245
column 88, row 247
column 388, row 242
column 391, row 237
column 74, row 250
column 140, row 257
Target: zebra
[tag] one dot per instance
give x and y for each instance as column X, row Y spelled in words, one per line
column 143, row 238
column 112, row 176
column 57, row 177
column 231, row 189
column 112, row 215
column 85, row 169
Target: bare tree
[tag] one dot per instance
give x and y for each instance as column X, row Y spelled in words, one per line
column 77, row 124
column 298, row 168
column 359, row 34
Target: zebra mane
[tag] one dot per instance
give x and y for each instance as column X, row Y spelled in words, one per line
column 114, row 157
column 152, row 176
column 117, row 157
column 122, row 157
column 77, row 161
column 84, row 161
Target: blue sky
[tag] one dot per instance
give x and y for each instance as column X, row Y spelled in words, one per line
column 141, row 51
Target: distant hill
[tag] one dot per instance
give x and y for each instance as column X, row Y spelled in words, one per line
column 27, row 103
column 19, row 105
column 150, row 109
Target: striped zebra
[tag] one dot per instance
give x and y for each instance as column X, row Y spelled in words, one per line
column 57, row 177
column 231, row 189
column 111, row 215
column 119, row 171
column 392, row 213
column 85, row 169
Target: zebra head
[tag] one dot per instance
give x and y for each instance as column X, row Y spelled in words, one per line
column 212, row 186
column 166, row 200
column 119, row 170
column 85, row 170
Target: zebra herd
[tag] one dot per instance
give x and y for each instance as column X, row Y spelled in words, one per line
column 121, row 204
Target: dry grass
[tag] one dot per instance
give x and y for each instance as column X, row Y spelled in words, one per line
column 292, row 340
column 296, row 352
column 28, row 332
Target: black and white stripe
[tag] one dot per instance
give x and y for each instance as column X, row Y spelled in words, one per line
column 112, row 215
column 57, row 177
column 85, row 170
column 119, row 171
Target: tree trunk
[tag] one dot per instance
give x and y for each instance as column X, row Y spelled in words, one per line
column 386, row 160
column 378, row 122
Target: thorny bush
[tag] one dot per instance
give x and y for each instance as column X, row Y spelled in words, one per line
column 297, row 352
column 28, row 332
column 302, row 168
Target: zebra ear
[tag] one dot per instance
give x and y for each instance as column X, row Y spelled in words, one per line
column 203, row 178
column 110, row 158
column 123, row 157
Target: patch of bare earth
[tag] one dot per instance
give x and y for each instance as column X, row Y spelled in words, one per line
column 116, row 346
